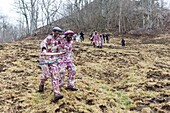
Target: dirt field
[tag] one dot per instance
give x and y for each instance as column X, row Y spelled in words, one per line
column 110, row 80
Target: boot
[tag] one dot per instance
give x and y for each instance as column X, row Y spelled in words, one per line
column 71, row 88
column 41, row 88
column 57, row 97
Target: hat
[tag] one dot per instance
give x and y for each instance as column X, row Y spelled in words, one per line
column 68, row 32
column 57, row 29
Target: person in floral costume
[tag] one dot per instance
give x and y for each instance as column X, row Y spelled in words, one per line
column 48, row 58
column 95, row 39
column 67, row 61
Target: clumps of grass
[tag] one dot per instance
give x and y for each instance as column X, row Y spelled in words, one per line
column 36, row 98
column 123, row 100
column 130, row 80
column 119, row 100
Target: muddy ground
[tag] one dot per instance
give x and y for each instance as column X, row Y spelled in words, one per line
column 134, row 79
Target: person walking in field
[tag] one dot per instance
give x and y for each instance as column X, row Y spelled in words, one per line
column 67, row 62
column 82, row 36
column 123, row 41
column 91, row 37
column 104, row 38
column 95, row 39
column 107, row 38
column 48, row 58
column 100, row 41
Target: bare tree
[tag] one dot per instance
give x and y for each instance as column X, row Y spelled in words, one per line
column 33, row 12
column 30, row 11
column 3, row 27
column 8, row 32
column 22, row 6
column 49, row 9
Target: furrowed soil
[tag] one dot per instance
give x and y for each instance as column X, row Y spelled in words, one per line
column 134, row 79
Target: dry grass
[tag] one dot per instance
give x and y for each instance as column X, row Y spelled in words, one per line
column 110, row 80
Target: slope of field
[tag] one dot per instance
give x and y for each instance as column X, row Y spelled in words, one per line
column 110, row 80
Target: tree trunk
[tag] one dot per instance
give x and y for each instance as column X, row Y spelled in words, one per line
column 120, row 15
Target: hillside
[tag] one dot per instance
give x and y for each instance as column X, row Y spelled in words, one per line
column 110, row 80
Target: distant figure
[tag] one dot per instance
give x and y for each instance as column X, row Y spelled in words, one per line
column 123, row 41
column 107, row 38
column 74, row 36
column 95, row 39
column 91, row 37
column 78, row 38
column 104, row 38
column 81, row 36
column 100, row 41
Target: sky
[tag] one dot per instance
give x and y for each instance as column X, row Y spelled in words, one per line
column 7, row 9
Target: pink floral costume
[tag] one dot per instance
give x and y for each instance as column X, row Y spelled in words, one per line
column 95, row 39
column 66, row 62
column 48, row 63
column 100, row 41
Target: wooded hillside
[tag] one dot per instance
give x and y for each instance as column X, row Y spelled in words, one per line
column 116, row 16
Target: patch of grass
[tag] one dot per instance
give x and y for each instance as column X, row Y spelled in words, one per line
column 36, row 98
column 143, row 94
column 95, row 66
column 130, row 80
column 123, row 100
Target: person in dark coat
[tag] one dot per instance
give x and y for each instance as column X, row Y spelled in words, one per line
column 123, row 41
column 82, row 36
column 104, row 37
column 107, row 38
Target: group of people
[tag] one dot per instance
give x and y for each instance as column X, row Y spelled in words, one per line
column 98, row 39
column 55, row 59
